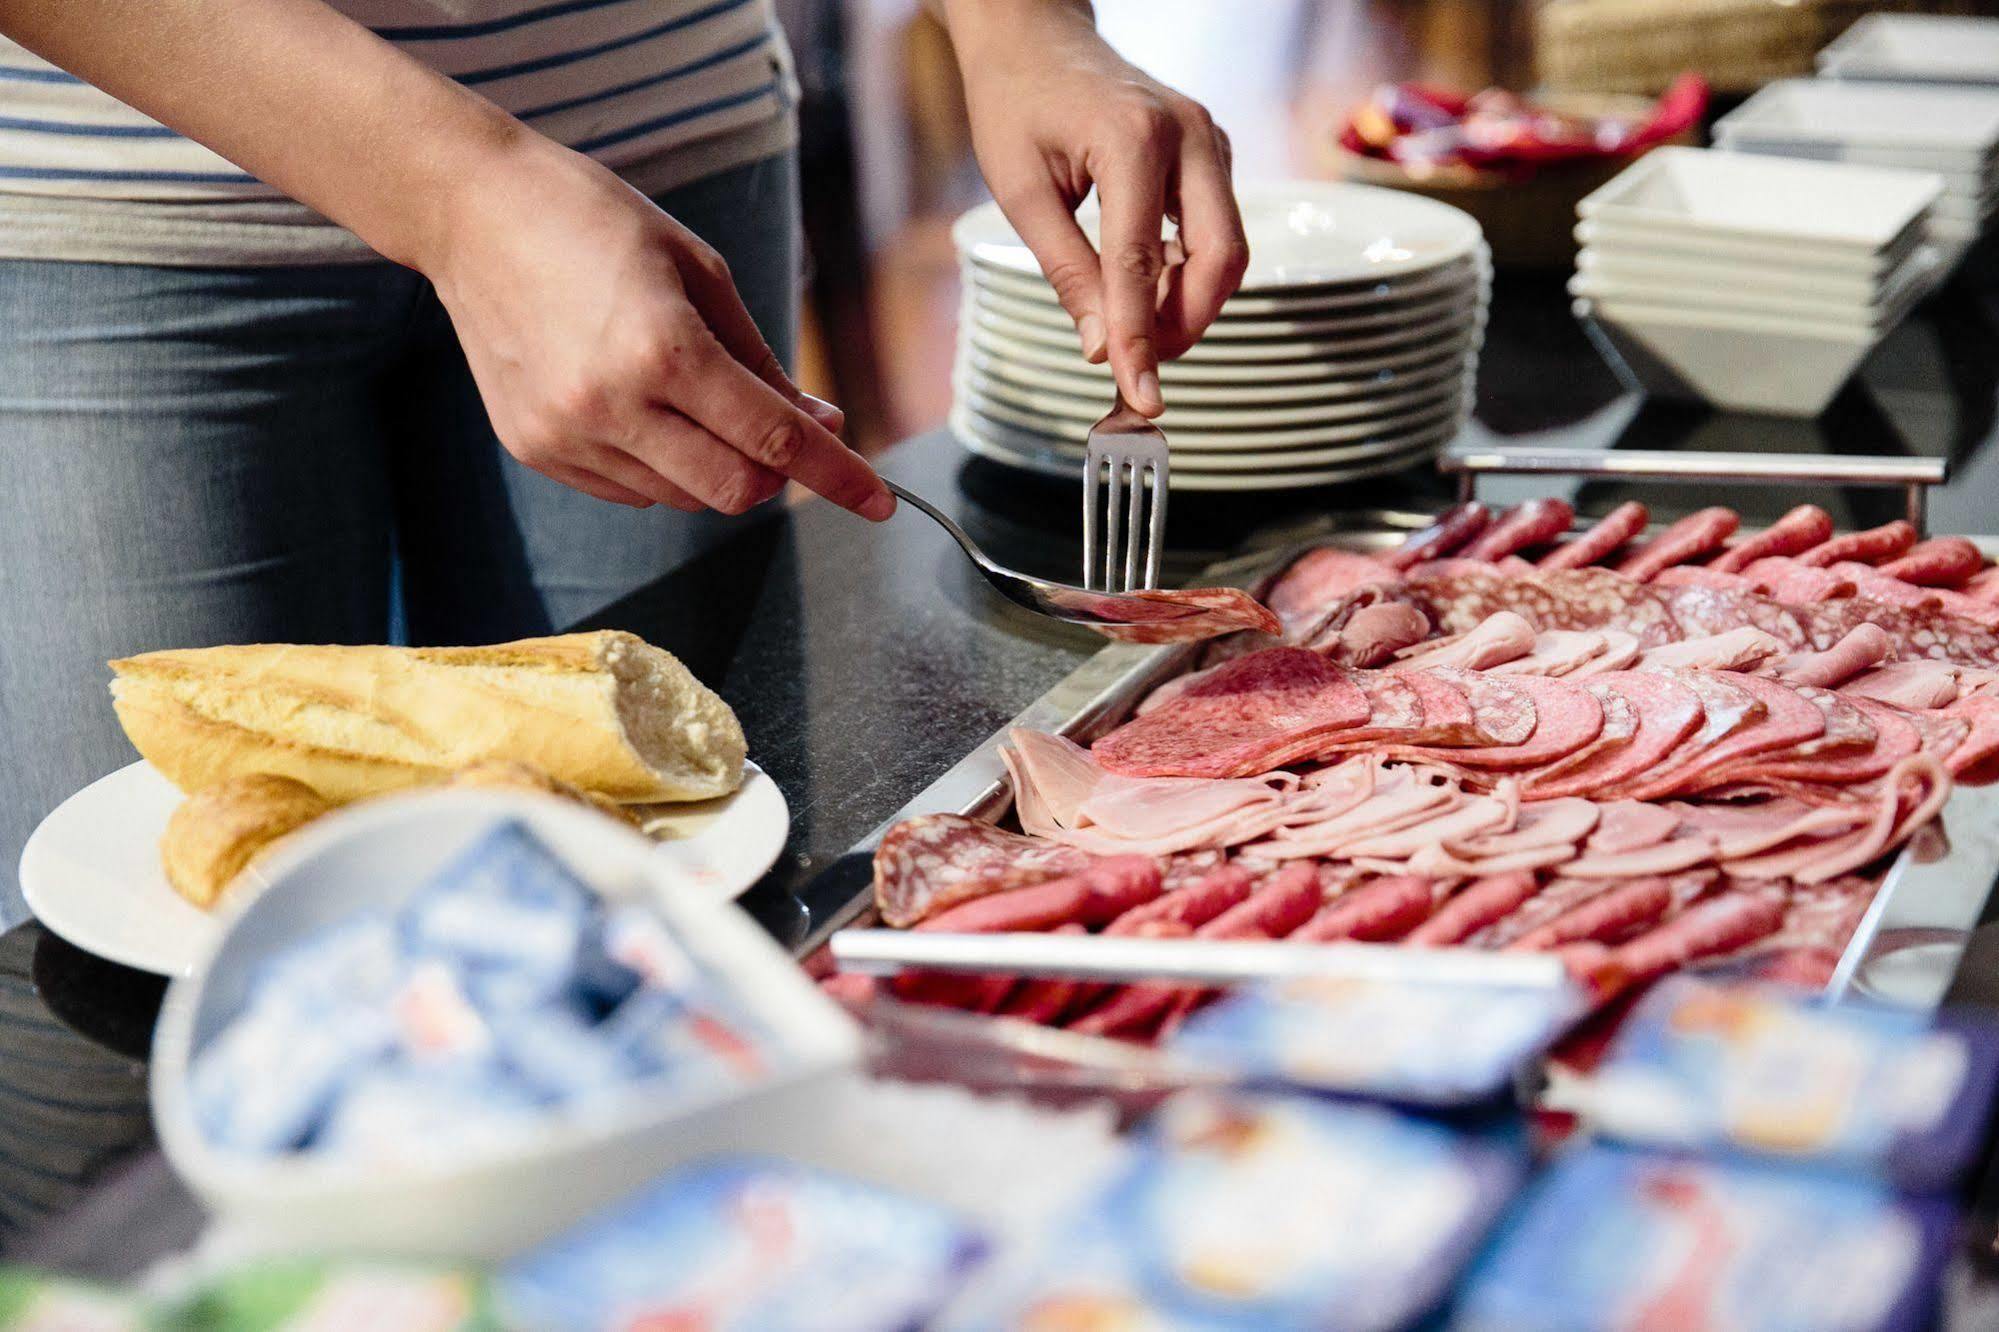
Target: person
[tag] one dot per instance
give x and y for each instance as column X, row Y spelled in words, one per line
column 286, row 280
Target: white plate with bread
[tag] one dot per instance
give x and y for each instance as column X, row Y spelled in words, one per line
column 244, row 745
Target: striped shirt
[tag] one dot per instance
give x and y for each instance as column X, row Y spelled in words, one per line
column 661, row 90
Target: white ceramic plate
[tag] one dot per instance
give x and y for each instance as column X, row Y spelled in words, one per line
column 1301, row 233
column 1024, row 451
column 1355, row 436
column 1304, row 303
column 1825, row 205
column 1322, row 370
column 1087, row 408
column 91, row 871
column 1253, row 397
column 1212, row 351
column 1382, row 318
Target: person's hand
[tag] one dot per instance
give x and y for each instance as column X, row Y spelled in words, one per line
column 615, row 356
column 1054, row 111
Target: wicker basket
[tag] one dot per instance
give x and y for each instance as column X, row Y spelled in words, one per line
column 1529, row 222
column 1640, row 46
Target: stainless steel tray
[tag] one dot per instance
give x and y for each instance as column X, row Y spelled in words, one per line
column 1905, row 950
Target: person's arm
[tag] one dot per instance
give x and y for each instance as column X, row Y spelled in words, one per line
column 608, row 341
column 1054, row 111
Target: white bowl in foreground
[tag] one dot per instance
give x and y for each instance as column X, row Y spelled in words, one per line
column 486, row 1202
column 1773, row 367
column 1748, row 196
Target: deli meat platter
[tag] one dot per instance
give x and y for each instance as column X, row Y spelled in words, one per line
column 1689, row 744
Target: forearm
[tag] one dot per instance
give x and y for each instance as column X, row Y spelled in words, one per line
column 975, row 24
column 295, row 93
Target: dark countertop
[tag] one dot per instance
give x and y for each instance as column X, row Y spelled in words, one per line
column 865, row 661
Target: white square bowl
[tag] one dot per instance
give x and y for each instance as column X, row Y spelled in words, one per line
column 1831, row 206
column 1696, row 291
column 1959, row 125
column 1610, row 235
column 487, row 1202
column 1915, row 48
column 1772, row 367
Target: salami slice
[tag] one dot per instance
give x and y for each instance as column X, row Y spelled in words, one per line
column 1724, row 923
column 1453, row 529
column 1724, row 711
column 1863, row 740
column 1799, row 530
column 1475, row 907
column 1535, row 522
column 1920, row 632
column 1939, row 562
column 1701, row 612
column 1608, row 917
column 1668, row 712
column 1570, row 599
column 1566, row 717
column 1783, row 719
column 1189, row 614
column 1869, row 547
column 1230, row 723
column 927, row 864
column 1615, row 529
column 1620, row 725
column 1688, row 539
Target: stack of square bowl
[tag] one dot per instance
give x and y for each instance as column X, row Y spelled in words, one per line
column 1348, row 352
column 1756, row 283
column 1915, row 48
column 1953, row 131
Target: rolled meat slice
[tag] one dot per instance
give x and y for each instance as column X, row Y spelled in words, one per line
column 1375, row 912
column 1475, row 907
column 1799, row 530
column 1722, row 924
column 1942, row 562
column 1605, row 918
column 1615, row 529
column 1690, row 538
column 1984, row 586
column 1454, row 528
column 1533, row 523
column 1865, row 645
column 1871, row 546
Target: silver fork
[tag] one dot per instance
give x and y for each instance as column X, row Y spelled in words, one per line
column 1125, row 451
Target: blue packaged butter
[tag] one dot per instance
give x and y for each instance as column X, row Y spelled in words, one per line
column 1398, row 1040
column 746, row 1245
column 1242, row 1212
column 1611, row 1238
column 1765, row 1071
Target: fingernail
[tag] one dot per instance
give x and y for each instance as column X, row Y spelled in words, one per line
column 825, row 413
column 1090, row 328
column 1148, row 391
column 879, row 508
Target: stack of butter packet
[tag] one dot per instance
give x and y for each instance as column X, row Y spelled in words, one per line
column 1758, row 1158
column 503, row 990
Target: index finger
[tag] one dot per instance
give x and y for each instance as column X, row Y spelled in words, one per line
column 734, row 404
column 1132, row 195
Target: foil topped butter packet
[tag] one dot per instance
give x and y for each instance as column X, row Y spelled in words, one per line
column 1402, row 1040
column 1242, row 1212
column 1612, row 1238
column 746, row 1245
column 1766, row 1072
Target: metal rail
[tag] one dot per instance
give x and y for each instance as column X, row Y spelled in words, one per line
column 1913, row 475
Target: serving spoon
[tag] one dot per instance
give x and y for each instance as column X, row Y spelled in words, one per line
column 1061, row 601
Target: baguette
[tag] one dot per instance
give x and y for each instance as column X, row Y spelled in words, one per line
column 215, row 834
column 604, row 712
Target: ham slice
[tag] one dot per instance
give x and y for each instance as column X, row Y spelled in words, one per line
column 1917, row 685
column 1500, row 637
column 1373, row 634
column 1557, row 652
column 1631, row 825
column 1972, row 761
column 1620, row 652
column 1740, row 649
column 1246, row 718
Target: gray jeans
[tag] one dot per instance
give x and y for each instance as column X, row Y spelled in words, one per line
column 200, row 456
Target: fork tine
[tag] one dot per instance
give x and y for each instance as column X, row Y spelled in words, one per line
column 1134, row 541
column 1158, row 542
column 1090, row 534
column 1113, row 521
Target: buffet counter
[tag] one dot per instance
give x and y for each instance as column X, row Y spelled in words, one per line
column 866, row 662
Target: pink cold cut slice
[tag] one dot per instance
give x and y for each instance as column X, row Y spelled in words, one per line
column 1668, row 712
column 1232, row 721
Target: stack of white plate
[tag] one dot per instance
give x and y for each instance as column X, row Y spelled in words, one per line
column 1754, row 282
column 1915, row 48
column 1349, row 350
column 1953, row 131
